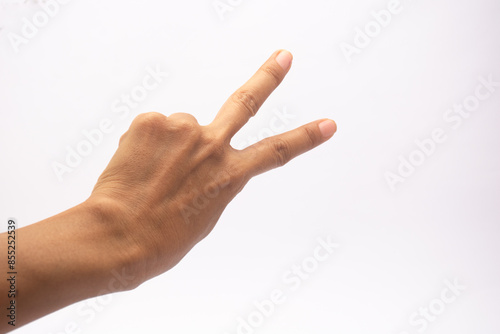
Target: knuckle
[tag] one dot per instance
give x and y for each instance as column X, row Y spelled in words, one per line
column 183, row 116
column 183, row 123
column 150, row 122
column 311, row 137
column 273, row 74
column 150, row 117
column 183, row 126
column 247, row 100
column 122, row 138
column 281, row 151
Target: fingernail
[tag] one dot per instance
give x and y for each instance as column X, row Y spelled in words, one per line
column 284, row 59
column 327, row 128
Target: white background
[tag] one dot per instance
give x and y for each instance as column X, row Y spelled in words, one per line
column 396, row 247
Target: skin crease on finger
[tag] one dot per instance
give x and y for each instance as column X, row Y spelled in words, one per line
column 161, row 193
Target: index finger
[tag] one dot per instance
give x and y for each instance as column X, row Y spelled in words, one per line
column 276, row 151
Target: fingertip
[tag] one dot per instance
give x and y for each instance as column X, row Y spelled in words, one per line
column 327, row 128
column 284, row 58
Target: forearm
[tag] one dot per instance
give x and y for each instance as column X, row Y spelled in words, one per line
column 61, row 260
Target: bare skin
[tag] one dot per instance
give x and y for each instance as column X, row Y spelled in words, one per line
column 162, row 192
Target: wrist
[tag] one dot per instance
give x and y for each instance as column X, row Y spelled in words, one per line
column 142, row 241
column 67, row 258
column 122, row 266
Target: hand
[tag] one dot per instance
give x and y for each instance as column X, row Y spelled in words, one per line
column 162, row 192
column 170, row 179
